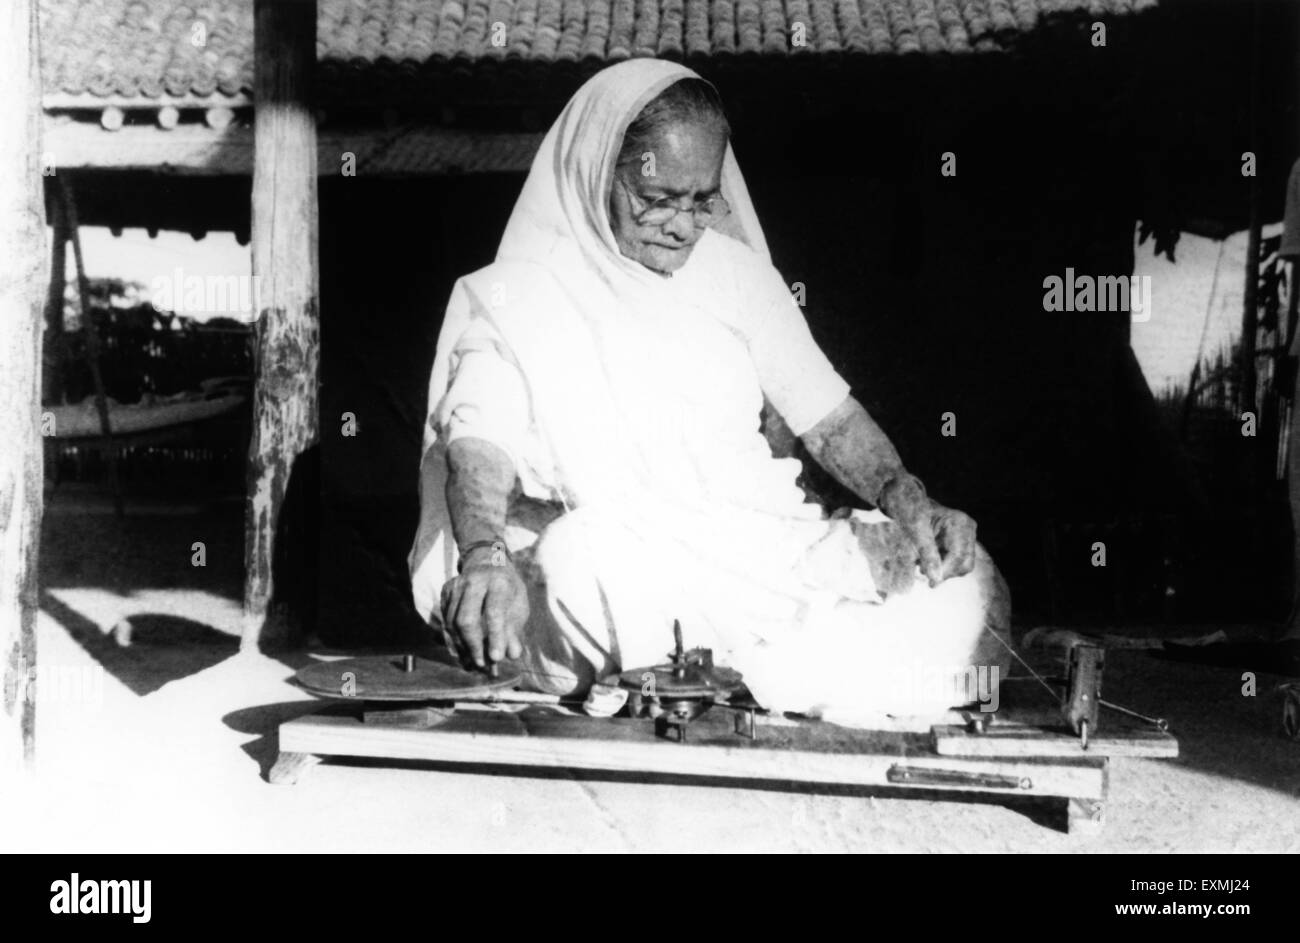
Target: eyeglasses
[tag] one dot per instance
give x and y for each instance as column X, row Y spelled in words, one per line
column 664, row 209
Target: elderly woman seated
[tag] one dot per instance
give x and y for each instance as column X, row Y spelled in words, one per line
column 595, row 467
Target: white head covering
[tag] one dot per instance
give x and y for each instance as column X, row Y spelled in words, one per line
column 566, row 196
column 566, row 300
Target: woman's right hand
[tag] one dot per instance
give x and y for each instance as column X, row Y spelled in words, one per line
column 485, row 608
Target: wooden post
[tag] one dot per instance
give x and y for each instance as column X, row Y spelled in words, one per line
column 90, row 331
column 54, row 347
column 1292, row 628
column 22, row 298
column 285, row 231
column 1248, row 384
column 1250, row 313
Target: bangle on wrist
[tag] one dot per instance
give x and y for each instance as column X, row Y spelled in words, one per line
column 497, row 544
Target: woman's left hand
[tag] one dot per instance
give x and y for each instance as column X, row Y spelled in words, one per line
column 944, row 537
column 954, row 533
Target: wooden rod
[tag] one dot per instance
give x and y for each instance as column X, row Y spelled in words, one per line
column 1292, row 628
column 69, row 206
column 1250, row 303
column 1250, row 307
column 54, row 346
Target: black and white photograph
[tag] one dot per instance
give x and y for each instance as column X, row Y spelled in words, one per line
column 651, row 426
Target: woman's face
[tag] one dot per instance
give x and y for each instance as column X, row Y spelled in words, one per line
column 687, row 167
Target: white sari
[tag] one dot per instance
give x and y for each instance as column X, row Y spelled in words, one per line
column 644, row 404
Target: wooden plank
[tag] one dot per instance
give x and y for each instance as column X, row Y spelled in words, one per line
column 290, row 767
column 413, row 717
column 1014, row 740
column 197, row 150
column 1084, row 817
column 285, row 258
column 803, row 753
column 63, row 101
column 22, row 290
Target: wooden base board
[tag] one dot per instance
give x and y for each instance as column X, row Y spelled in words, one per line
column 800, row 752
column 1016, row 739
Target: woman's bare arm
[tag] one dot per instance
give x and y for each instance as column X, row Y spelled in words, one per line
column 853, row 448
column 480, row 481
column 486, row 606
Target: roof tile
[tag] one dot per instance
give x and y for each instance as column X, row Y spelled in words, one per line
column 697, row 28
column 204, row 48
column 672, row 29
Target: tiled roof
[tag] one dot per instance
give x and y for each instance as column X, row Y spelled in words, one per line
column 416, row 151
column 151, row 49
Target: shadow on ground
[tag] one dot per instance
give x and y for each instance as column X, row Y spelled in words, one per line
column 265, row 720
column 148, row 650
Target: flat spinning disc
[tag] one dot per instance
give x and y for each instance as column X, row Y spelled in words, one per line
column 384, row 678
column 698, row 682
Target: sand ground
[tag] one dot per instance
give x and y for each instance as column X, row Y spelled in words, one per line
column 168, row 749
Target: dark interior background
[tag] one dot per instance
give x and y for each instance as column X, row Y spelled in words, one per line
column 926, row 291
